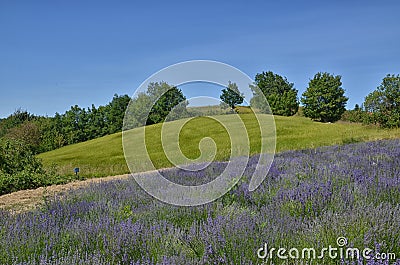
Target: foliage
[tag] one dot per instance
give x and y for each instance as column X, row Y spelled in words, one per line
column 15, row 156
column 280, row 94
column 383, row 104
column 76, row 125
column 51, row 133
column 357, row 115
column 165, row 101
column 324, row 98
column 114, row 114
column 19, row 168
column 137, row 113
column 17, row 118
column 27, row 133
column 231, row 95
column 308, row 199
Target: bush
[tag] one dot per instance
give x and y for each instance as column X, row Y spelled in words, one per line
column 21, row 181
column 357, row 116
column 19, row 168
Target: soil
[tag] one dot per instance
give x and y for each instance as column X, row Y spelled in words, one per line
column 26, row 200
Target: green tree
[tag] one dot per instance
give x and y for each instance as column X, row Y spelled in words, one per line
column 164, row 98
column 324, row 98
column 75, row 125
column 279, row 92
column 115, row 112
column 136, row 114
column 231, row 95
column 383, row 104
column 27, row 133
column 74, row 122
column 51, row 136
column 97, row 126
column 14, row 120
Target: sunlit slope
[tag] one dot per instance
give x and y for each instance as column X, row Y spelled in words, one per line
column 104, row 156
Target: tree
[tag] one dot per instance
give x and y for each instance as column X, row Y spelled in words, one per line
column 164, row 98
column 137, row 114
column 74, row 123
column 231, row 95
column 115, row 112
column 324, row 98
column 383, row 104
column 154, row 105
column 51, row 136
column 280, row 94
column 28, row 133
column 14, row 120
column 97, row 126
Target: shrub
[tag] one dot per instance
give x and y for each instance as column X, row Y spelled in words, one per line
column 19, row 168
column 357, row 116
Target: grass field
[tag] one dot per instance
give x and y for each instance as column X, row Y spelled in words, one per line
column 104, row 156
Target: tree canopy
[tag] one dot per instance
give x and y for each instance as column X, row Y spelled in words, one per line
column 324, row 98
column 279, row 92
column 231, row 95
column 165, row 101
column 383, row 104
column 77, row 124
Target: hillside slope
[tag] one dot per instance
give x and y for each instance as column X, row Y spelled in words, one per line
column 104, row 156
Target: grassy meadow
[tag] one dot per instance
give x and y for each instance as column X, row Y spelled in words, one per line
column 104, row 156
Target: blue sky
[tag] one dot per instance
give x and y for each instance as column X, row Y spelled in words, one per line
column 54, row 54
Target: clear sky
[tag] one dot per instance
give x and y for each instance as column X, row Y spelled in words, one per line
column 54, row 54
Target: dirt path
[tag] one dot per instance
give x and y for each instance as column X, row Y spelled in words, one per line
column 25, row 200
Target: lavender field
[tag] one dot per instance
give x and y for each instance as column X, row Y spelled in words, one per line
column 309, row 199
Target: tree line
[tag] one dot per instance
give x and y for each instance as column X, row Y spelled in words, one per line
column 76, row 125
column 381, row 107
column 22, row 135
column 324, row 99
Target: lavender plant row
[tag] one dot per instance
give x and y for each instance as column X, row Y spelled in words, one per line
column 309, row 199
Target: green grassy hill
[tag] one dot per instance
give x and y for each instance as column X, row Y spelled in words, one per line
column 104, row 156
